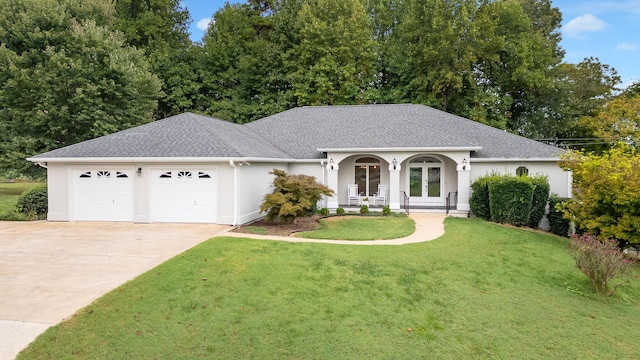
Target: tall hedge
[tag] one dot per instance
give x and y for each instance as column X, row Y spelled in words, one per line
column 479, row 201
column 510, row 200
column 557, row 223
column 540, row 199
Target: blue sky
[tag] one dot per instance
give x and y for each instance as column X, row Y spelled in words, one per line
column 608, row 30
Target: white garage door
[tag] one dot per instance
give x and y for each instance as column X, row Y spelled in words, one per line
column 102, row 195
column 184, row 195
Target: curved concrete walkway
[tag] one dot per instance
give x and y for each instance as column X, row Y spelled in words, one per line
column 429, row 226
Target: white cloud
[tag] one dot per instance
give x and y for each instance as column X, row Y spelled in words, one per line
column 203, row 24
column 583, row 23
column 627, row 46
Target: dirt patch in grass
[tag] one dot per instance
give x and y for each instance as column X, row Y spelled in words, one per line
column 262, row 227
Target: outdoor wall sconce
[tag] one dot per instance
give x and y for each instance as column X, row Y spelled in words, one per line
column 139, row 171
column 464, row 164
column 331, row 164
column 395, row 163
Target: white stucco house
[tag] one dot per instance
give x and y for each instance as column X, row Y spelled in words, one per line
column 194, row 168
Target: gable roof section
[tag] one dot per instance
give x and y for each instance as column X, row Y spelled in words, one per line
column 181, row 136
column 301, row 132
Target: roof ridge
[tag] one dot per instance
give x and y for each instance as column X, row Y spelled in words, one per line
column 349, row 105
column 239, row 127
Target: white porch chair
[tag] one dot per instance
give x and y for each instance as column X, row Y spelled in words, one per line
column 353, row 193
column 382, row 194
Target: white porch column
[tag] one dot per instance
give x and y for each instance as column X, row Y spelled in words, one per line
column 394, row 186
column 332, row 183
column 464, row 186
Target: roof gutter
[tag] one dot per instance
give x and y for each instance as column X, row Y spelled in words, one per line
column 152, row 159
column 402, row 149
column 487, row 160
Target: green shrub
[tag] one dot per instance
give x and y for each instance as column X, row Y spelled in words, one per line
column 323, row 211
column 601, row 262
column 386, row 211
column 33, row 203
column 292, row 196
column 340, row 211
column 510, row 200
column 364, row 209
column 540, row 199
column 557, row 223
column 479, row 201
column 13, row 215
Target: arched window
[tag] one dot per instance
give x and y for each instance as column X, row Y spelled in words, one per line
column 522, row 171
column 367, row 175
column 425, row 160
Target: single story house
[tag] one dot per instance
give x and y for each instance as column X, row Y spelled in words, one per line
column 194, row 168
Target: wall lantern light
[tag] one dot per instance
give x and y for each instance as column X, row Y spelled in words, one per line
column 464, row 164
column 331, row 163
column 139, row 171
column 395, row 163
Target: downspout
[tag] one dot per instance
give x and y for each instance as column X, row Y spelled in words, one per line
column 235, row 192
column 42, row 164
column 324, row 200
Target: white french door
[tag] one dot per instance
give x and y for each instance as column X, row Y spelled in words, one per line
column 425, row 184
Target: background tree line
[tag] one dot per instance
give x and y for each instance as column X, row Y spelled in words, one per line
column 71, row 70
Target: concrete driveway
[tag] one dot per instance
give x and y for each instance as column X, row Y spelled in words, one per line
column 49, row 271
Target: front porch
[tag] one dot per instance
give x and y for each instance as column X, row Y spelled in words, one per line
column 429, row 182
column 450, row 207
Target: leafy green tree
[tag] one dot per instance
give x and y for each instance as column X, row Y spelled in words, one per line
column 243, row 64
column 159, row 27
column 64, row 78
column 333, row 60
column 293, row 196
column 389, row 64
column 589, row 84
column 606, row 193
column 480, row 59
column 616, row 121
column 632, row 90
column 153, row 23
column 522, row 53
column 438, row 41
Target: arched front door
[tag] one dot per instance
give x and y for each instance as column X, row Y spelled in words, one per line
column 425, row 181
column 367, row 175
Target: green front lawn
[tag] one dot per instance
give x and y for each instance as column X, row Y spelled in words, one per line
column 9, row 193
column 362, row 228
column 480, row 291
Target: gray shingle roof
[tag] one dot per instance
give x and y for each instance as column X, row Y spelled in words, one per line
column 299, row 133
column 184, row 135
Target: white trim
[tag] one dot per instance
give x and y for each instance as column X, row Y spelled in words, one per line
column 417, row 149
column 521, row 160
column 251, row 159
column 157, row 159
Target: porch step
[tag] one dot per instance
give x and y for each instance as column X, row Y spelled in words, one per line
column 413, row 209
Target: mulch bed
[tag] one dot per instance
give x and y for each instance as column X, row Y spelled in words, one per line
column 301, row 224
